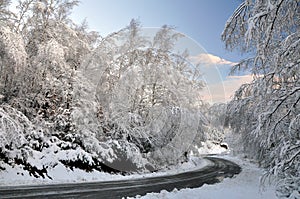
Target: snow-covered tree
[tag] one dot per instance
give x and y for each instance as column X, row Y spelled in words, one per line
column 69, row 97
column 40, row 52
column 267, row 109
column 55, row 48
column 12, row 54
column 145, row 91
column 5, row 13
column 215, row 116
column 12, row 61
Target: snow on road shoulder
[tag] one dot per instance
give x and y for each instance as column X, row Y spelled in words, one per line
column 209, row 147
column 246, row 185
column 60, row 174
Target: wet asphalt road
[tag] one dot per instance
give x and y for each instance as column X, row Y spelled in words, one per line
column 214, row 173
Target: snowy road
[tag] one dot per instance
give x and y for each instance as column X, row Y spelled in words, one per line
column 117, row 189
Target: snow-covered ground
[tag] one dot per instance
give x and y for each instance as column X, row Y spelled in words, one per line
column 60, row 174
column 246, row 185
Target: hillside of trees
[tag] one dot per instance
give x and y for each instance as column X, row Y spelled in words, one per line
column 118, row 104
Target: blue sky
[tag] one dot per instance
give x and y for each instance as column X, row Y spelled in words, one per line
column 200, row 20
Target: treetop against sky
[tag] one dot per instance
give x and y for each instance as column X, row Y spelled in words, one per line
column 202, row 23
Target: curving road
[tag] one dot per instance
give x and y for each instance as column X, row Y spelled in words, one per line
column 219, row 170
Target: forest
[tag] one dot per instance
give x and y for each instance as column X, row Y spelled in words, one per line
column 127, row 103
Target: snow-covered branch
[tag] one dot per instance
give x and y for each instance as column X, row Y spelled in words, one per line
column 264, row 110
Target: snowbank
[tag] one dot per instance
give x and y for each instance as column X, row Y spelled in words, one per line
column 61, row 174
column 246, row 185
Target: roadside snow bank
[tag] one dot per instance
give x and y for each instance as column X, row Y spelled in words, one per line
column 246, row 185
column 60, row 174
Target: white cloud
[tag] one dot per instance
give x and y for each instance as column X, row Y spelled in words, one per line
column 209, row 59
column 224, row 91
